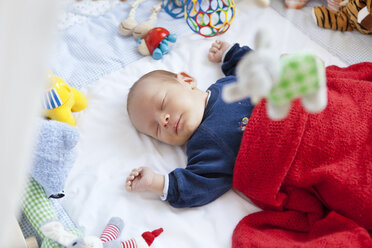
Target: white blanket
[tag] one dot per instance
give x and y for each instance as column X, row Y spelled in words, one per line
column 110, row 147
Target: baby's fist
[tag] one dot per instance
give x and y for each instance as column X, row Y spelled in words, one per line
column 217, row 50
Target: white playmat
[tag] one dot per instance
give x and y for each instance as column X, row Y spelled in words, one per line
column 110, row 147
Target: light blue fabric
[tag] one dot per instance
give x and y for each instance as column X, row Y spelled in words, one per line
column 54, row 155
column 92, row 49
column 63, row 216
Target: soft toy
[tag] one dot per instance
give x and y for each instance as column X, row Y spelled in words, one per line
column 295, row 4
column 151, row 41
column 39, row 210
column 298, row 4
column 262, row 75
column 55, row 231
column 355, row 15
column 155, row 43
column 54, row 156
column 130, row 26
column 61, row 99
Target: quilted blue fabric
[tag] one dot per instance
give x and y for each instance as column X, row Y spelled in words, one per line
column 87, row 51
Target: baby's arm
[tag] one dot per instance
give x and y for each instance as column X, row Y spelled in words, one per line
column 230, row 54
column 145, row 179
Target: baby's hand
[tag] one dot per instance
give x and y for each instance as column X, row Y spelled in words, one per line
column 217, row 50
column 140, row 179
column 145, row 179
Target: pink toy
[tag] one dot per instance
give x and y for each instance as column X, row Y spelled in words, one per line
column 333, row 5
column 155, row 42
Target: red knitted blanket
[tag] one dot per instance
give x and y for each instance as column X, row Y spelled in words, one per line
column 311, row 173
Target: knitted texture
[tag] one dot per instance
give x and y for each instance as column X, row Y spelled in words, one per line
column 54, row 155
column 311, row 174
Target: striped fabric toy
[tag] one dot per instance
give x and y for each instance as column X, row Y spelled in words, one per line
column 112, row 231
column 54, row 230
column 348, row 17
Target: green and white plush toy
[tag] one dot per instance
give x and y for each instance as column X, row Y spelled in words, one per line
column 39, row 210
column 280, row 80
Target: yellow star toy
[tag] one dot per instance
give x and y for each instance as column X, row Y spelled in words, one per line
column 61, row 100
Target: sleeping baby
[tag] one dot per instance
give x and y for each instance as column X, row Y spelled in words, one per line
column 177, row 112
column 310, row 173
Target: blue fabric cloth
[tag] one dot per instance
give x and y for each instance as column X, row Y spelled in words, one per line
column 213, row 148
column 90, row 50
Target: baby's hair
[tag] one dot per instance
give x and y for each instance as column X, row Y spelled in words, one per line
column 166, row 75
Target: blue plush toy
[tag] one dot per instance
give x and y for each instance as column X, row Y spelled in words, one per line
column 54, row 156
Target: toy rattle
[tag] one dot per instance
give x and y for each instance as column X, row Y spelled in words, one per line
column 175, row 8
column 155, row 43
column 61, row 99
column 209, row 17
column 205, row 17
column 261, row 75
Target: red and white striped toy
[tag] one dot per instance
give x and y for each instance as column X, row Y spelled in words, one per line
column 56, row 231
column 112, row 231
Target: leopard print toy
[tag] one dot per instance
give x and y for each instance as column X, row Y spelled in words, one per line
column 355, row 15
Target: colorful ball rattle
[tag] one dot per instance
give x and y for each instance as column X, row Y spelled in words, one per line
column 209, row 17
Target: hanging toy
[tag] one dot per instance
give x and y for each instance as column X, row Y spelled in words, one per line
column 155, row 43
column 280, row 81
column 130, row 26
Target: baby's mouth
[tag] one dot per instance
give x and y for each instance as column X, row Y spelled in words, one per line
column 177, row 124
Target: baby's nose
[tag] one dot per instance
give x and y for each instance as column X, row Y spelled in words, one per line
column 165, row 120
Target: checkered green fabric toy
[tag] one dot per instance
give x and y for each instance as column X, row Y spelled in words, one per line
column 280, row 80
column 301, row 74
column 39, row 210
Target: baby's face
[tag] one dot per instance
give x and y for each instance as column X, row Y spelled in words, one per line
column 169, row 111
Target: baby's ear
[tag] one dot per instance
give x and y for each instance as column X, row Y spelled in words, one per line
column 186, row 79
